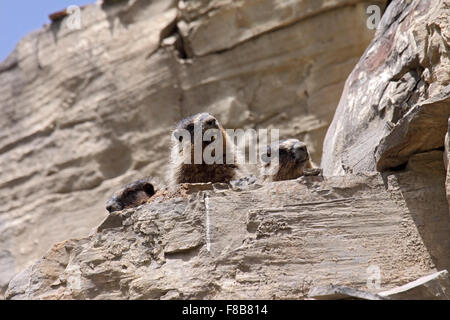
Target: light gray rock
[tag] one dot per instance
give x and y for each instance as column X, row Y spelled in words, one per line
column 7, row 269
column 87, row 111
column 396, row 102
column 341, row 293
column 432, row 287
column 273, row 241
column 435, row 286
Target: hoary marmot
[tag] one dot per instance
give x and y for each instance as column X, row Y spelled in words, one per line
column 131, row 195
column 183, row 148
column 293, row 161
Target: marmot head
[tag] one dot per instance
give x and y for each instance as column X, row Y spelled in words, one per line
column 200, row 152
column 292, row 157
column 193, row 130
column 131, row 195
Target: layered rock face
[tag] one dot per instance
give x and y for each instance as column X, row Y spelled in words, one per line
column 85, row 111
column 271, row 241
column 396, row 102
column 367, row 231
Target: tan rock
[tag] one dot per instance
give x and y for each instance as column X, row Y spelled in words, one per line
column 435, row 286
column 86, row 111
column 272, row 241
column 340, row 293
column 203, row 22
column 396, row 102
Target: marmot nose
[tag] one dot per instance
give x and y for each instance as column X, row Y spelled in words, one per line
column 301, row 153
column 112, row 206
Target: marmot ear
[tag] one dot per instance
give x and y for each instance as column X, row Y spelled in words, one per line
column 149, row 189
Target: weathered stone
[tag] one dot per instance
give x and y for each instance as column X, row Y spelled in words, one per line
column 203, row 22
column 87, row 111
column 341, row 293
column 421, row 130
column 277, row 240
column 7, row 269
column 429, row 163
column 432, row 287
column 396, row 102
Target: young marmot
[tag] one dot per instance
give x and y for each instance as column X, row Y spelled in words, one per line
column 131, row 195
column 293, row 161
column 187, row 137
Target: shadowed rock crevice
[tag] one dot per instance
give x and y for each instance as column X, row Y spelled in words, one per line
column 429, row 212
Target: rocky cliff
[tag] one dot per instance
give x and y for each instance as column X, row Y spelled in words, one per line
column 272, row 241
column 85, row 111
column 378, row 219
column 396, row 102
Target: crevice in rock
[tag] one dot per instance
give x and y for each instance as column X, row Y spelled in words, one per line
column 399, row 168
column 184, row 254
column 178, row 44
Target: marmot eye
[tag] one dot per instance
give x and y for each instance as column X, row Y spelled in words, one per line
column 211, row 122
column 265, row 158
column 178, row 136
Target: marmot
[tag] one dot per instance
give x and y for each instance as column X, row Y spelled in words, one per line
column 199, row 171
column 138, row 192
column 293, row 161
column 131, row 195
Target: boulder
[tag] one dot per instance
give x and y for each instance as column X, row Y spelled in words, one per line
column 396, row 101
column 272, row 241
column 435, row 286
column 431, row 287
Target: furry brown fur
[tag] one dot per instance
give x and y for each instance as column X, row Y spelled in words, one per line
column 180, row 172
column 293, row 160
column 131, row 195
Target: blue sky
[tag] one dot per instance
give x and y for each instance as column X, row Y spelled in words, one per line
column 19, row 17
